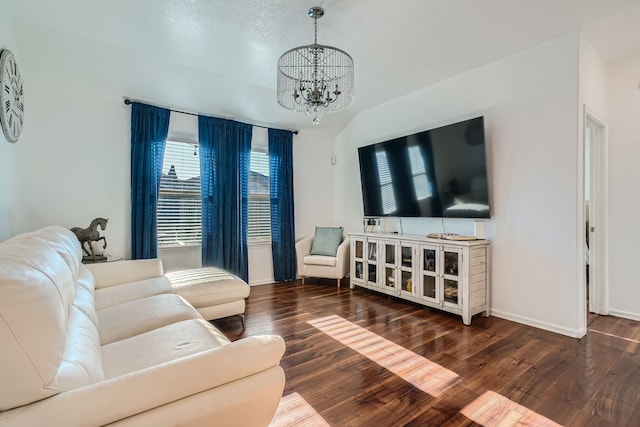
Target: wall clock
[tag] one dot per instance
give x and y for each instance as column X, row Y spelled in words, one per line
column 11, row 97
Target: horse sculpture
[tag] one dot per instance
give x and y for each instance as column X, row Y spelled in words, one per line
column 89, row 235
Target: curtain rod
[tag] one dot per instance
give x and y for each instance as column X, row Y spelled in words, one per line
column 128, row 101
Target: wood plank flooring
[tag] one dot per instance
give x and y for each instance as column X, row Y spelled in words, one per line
column 359, row 358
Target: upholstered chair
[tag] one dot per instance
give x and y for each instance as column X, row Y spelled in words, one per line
column 323, row 260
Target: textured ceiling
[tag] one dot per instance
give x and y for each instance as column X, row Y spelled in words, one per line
column 219, row 56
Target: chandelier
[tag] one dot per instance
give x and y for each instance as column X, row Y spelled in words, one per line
column 315, row 79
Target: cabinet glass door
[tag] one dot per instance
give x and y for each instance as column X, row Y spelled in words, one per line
column 372, row 263
column 372, row 251
column 406, row 268
column 429, row 273
column 407, row 256
column 359, row 270
column 407, row 282
column 359, row 249
column 390, row 281
column 390, row 253
column 358, row 259
column 451, row 267
column 390, row 278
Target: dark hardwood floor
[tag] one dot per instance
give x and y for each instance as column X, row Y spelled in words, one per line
column 359, row 358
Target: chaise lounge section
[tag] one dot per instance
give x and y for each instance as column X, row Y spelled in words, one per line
column 215, row 293
column 115, row 344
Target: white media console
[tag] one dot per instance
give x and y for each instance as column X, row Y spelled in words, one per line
column 450, row 275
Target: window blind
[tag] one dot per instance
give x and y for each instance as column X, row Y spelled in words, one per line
column 259, row 198
column 179, row 205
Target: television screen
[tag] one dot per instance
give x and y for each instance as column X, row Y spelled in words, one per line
column 436, row 173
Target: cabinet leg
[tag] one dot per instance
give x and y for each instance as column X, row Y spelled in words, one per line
column 485, row 313
column 466, row 319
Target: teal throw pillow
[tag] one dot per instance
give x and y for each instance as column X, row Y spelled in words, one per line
column 326, row 241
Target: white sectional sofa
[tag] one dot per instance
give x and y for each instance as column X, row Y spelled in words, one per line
column 78, row 349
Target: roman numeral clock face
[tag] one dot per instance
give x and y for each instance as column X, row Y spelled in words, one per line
column 11, row 97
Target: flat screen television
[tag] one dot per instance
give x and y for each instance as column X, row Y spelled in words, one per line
column 440, row 172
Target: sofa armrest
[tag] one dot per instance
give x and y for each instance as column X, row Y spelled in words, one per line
column 127, row 395
column 342, row 256
column 303, row 248
column 115, row 273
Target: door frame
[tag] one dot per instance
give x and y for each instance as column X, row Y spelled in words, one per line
column 598, row 212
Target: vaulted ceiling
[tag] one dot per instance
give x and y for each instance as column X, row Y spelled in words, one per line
column 219, row 56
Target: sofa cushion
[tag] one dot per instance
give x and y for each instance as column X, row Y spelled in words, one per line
column 122, row 272
column 120, row 294
column 326, row 241
column 329, row 261
column 136, row 317
column 160, row 346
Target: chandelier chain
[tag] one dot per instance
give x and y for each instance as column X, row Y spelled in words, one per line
column 315, row 31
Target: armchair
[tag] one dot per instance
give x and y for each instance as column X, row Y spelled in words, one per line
column 328, row 267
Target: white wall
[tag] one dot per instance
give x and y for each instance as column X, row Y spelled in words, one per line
column 594, row 91
column 529, row 101
column 75, row 164
column 314, row 182
column 10, row 184
column 624, row 182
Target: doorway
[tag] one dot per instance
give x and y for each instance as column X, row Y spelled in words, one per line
column 594, row 215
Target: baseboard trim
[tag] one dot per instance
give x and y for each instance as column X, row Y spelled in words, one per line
column 573, row 333
column 624, row 314
column 260, row 282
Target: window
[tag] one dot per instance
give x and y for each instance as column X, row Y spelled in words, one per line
column 179, row 201
column 259, row 194
column 179, row 206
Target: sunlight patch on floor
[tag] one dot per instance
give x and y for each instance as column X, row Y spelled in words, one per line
column 492, row 410
column 411, row 367
column 613, row 335
column 293, row 410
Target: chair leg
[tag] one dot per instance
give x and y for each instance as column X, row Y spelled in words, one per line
column 339, row 282
column 302, row 279
column 242, row 320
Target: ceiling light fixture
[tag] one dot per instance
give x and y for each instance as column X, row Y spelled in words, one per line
column 315, row 79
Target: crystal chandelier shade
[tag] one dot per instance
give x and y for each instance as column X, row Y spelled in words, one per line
column 315, row 79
